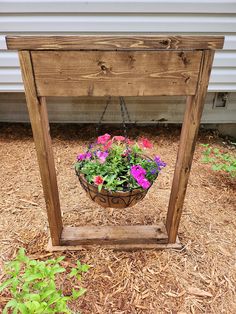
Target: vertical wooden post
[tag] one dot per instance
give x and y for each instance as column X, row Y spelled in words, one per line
column 192, row 117
column 40, row 126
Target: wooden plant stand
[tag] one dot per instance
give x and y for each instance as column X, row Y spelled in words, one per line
column 115, row 66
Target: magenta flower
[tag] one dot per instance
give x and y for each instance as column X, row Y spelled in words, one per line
column 137, row 171
column 139, row 175
column 103, row 138
column 144, row 183
column 102, row 156
column 84, row 156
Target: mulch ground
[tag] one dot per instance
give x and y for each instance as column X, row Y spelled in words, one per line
column 199, row 279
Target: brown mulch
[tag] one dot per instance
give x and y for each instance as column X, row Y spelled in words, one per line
column 199, row 279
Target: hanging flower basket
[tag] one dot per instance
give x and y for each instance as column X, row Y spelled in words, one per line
column 114, row 199
column 114, row 172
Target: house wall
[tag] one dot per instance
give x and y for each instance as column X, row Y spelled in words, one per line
column 119, row 16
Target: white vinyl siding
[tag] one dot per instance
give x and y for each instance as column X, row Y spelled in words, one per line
column 89, row 109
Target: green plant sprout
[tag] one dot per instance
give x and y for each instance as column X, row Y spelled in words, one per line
column 219, row 160
column 32, row 285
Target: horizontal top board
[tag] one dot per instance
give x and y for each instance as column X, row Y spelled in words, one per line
column 114, row 42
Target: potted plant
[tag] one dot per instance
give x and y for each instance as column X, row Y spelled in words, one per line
column 116, row 172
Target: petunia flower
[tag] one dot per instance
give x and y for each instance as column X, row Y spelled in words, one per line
column 145, row 143
column 84, row 156
column 144, row 183
column 107, row 145
column 160, row 164
column 139, row 175
column 154, row 170
column 98, row 180
column 103, row 138
column 102, row 156
column 137, row 171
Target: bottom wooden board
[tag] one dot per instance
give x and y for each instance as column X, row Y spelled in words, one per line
column 115, row 237
column 116, row 247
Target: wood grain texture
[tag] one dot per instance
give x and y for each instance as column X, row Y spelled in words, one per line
column 192, row 117
column 104, row 73
column 114, row 42
column 91, row 235
column 116, row 247
column 40, row 126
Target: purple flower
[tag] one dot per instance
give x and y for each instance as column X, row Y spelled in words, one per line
column 144, row 183
column 153, row 170
column 160, row 164
column 84, row 156
column 102, row 156
column 137, row 171
column 139, row 175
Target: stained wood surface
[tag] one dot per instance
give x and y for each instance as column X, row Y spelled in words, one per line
column 40, row 126
column 114, row 42
column 89, row 235
column 115, row 247
column 103, row 73
column 192, row 117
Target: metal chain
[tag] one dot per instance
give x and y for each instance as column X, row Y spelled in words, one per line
column 124, row 110
column 98, row 127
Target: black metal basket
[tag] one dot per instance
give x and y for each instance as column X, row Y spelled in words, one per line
column 105, row 198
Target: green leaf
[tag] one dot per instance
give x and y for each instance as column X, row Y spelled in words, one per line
column 33, row 277
column 32, row 297
column 23, row 309
column 59, row 259
column 5, row 284
column 216, row 167
column 12, row 303
column 78, row 293
column 21, row 255
column 84, row 268
column 73, row 272
column 46, row 294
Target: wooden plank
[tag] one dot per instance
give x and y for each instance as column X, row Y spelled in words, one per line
column 40, row 126
column 90, row 235
column 114, row 42
column 117, row 247
column 104, row 73
column 192, row 117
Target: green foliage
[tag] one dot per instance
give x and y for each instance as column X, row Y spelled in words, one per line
column 115, row 171
column 32, row 285
column 218, row 160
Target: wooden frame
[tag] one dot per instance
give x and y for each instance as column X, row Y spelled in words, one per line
column 136, row 66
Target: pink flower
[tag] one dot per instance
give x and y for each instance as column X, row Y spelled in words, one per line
column 119, row 138
column 137, row 171
column 145, row 143
column 107, row 145
column 103, row 138
column 98, row 180
column 139, row 175
column 130, row 142
column 144, row 183
column 102, row 156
